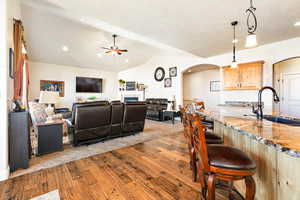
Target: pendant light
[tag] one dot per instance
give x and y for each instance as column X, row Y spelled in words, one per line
column 251, row 40
column 234, row 64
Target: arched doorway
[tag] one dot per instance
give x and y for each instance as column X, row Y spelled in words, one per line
column 286, row 81
column 200, row 82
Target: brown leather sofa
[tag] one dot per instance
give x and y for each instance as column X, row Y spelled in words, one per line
column 98, row 121
column 155, row 107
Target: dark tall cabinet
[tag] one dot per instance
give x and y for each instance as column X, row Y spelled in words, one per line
column 19, row 140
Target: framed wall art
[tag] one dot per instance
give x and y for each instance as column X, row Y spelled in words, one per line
column 11, row 64
column 55, row 86
column 215, row 86
column 168, row 82
column 173, row 71
column 159, row 74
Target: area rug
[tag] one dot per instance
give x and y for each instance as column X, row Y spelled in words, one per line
column 153, row 130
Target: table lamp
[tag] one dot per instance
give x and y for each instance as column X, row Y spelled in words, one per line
column 49, row 98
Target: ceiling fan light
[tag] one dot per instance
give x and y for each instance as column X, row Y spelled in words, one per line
column 251, row 40
column 234, row 65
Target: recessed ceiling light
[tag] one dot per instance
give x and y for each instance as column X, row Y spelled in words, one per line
column 297, row 23
column 127, row 61
column 189, row 71
column 99, row 55
column 65, row 48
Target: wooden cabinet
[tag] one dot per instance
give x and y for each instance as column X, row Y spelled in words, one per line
column 248, row 76
column 19, row 140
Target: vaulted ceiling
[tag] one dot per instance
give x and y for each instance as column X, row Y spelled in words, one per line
column 201, row 28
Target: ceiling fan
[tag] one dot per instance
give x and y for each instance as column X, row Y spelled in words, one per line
column 114, row 50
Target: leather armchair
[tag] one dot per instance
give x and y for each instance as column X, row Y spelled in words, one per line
column 134, row 117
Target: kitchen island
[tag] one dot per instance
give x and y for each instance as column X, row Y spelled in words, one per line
column 274, row 147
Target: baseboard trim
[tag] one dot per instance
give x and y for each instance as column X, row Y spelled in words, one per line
column 4, row 174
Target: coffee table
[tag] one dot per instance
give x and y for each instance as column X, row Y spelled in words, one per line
column 171, row 113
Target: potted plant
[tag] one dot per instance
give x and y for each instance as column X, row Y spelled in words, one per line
column 121, row 84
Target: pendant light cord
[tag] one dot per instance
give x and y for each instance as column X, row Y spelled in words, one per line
column 234, row 40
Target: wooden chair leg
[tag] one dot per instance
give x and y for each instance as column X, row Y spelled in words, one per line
column 194, row 165
column 191, row 156
column 250, row 188
column 211, row 187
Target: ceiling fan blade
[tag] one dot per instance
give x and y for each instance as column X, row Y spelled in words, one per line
column 108, row 52
column 105, row 48
column 119, row 53
column 123, row 50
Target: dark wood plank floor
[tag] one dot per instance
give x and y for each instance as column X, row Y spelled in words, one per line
column 156, row 169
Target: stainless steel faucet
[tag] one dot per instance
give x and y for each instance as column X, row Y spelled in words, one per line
column 259, row 111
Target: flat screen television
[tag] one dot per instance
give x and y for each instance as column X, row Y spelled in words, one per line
column 88, row 85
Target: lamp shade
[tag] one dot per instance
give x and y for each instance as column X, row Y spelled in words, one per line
column 48, row 97
column 234, row 65
column 251, row 40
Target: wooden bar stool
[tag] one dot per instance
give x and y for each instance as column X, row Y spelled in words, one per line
column 211, row 138
column 220, row 162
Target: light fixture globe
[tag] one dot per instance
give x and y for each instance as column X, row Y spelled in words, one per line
column 251, row 40
column 234, row 65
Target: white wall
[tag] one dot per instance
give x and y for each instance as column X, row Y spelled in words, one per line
column 197, row 85
column 8, row 10
column 145, row 74
column 43, row 71
column 270, row 53
column 3, row 92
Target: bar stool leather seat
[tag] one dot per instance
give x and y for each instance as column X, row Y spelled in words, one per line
column 212, row 138
column 227, row 157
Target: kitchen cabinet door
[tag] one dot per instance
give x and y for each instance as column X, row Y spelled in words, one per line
column 251, row 75
column 231, row 78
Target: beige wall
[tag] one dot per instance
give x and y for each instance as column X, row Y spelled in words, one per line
column 197, row 85
column 43, row 71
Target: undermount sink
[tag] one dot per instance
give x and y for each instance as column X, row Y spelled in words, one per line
column 282, row 120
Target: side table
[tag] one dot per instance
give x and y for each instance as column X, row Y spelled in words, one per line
column 50, row 137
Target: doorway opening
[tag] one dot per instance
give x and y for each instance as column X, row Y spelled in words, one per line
column 286, row 81
column 202, row 83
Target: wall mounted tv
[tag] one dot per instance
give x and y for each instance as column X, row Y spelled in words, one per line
column 88, row 85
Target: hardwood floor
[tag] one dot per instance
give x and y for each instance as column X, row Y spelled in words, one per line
column 154, row 170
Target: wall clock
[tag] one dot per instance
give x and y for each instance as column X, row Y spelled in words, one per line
column 168, row 82
column 159, row 74
column 173, row 71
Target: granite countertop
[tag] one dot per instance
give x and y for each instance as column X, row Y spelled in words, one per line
column 282, row 137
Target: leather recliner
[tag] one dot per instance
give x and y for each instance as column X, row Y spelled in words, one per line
column 134, row 117
column 117, row 113
column 97, row 121
column 91, row 122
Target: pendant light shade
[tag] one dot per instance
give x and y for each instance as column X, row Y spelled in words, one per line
column 234, row 65
column 251, row 40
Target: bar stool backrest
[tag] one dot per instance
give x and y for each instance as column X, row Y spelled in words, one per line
column 200, row 105
column 197, row 130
